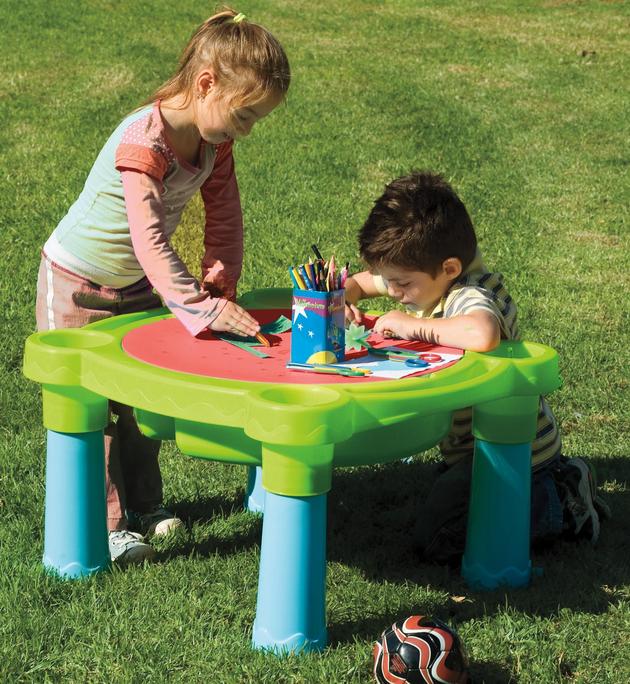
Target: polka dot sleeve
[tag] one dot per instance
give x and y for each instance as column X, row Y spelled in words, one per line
column 143, row 148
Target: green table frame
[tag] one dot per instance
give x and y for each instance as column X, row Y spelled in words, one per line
column 296, row 433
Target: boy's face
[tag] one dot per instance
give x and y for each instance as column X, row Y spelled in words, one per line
column 417, row 288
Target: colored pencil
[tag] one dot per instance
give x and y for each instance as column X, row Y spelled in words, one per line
column 330, row 370
column 298, row 278
column 317, row 253
column 263, row 340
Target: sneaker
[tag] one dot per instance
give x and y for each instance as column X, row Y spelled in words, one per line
column 128, row 547
column 577, row 487
column 602, row 508
column 157, row 522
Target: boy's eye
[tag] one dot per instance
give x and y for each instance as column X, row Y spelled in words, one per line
column 403, row 284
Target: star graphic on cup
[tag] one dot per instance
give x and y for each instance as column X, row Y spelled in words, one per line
column 299, row 310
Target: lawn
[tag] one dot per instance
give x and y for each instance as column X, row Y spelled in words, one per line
column 523, row 107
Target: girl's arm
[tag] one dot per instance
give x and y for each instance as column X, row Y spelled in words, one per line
column 223, row 239
column 477, row 331
column 165, row 270
column 359, row 286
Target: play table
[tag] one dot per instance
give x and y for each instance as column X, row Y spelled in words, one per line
column 220, row 403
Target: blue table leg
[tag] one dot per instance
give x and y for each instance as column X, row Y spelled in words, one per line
column 75, row 532
column 291, row 613
column 497, row 542
column 255, row 494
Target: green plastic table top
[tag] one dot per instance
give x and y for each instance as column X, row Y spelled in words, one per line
column 264, row 422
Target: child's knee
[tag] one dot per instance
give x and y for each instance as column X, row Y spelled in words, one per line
column 445, row 544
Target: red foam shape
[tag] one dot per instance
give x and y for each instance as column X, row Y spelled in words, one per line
column 167, row 344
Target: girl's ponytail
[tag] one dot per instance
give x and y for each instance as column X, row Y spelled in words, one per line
column 248, row 61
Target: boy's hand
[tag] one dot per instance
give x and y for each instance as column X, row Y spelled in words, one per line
column 396, row 324
column 353, row 314
column 353, row 294
column 235, row 320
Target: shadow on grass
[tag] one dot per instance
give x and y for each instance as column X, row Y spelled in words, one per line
column 371, row 516
column 213, row 525
column 487, row 672
column 202, row 509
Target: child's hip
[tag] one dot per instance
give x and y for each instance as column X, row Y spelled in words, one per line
column 67, row 300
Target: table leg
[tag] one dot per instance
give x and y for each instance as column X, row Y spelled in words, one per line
column 255, row 494
column 290, row 613
column 497, row 542
column 75, row 531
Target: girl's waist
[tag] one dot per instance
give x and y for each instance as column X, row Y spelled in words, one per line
column 122, row 272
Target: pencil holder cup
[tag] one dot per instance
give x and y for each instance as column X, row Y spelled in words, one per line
column 318, row 333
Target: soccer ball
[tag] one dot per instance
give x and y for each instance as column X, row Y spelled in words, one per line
column 420, row 650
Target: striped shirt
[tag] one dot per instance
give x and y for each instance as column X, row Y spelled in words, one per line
column 478, row 289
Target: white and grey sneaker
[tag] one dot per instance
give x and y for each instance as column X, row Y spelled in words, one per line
column 127, row 547
column 157, row 522
column 577, row 486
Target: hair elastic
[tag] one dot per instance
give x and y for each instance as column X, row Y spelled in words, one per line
column 239, row 18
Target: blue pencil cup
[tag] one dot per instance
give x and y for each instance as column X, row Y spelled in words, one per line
column 318, row 334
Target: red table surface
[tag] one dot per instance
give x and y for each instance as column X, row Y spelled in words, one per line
column 167, row 344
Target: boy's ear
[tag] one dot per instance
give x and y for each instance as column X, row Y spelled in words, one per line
column 452, row 268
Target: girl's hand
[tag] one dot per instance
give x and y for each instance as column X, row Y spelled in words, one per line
column 235, row 320
column 396, row 324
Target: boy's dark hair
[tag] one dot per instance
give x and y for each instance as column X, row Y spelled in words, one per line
column 417, row 223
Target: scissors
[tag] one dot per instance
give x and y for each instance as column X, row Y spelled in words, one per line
column 430, row 357
column 416, row 362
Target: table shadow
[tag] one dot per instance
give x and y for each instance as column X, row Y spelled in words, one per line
column 371, row 515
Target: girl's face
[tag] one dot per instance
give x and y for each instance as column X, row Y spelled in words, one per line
column 218, row 122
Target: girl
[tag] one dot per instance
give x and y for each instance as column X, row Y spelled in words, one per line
column 111, row 251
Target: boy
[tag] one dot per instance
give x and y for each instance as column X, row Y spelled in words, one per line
column 420, row 246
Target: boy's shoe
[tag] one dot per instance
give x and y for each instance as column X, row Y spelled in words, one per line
column 128, row 547
column 602, row 508
column 577, row 487
column 157, row 522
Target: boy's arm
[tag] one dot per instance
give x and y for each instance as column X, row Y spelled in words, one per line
column 359, row 286
column 476, row 331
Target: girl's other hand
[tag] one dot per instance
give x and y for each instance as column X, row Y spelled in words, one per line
column 235, row 320
column 215, row 291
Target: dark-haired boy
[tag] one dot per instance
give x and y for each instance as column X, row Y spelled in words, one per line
column 420, row 247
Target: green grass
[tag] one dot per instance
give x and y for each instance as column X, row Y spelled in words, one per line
column 523, row 107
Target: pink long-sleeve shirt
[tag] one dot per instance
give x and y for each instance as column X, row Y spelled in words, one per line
column 120, row 227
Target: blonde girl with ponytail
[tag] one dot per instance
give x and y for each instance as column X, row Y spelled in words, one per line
column 111, row 253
